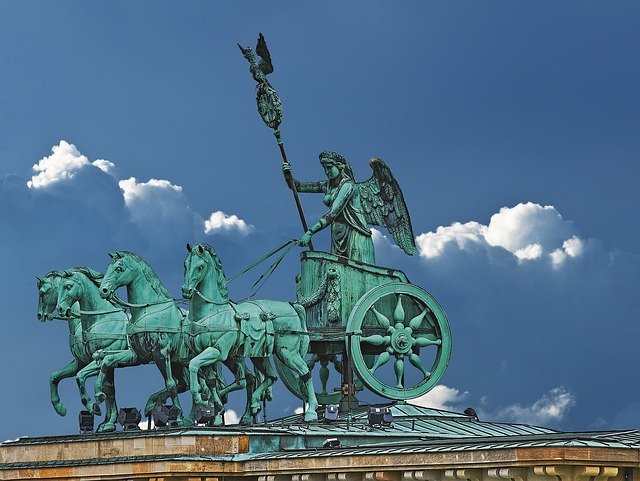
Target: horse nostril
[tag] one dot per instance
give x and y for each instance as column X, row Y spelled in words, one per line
column 39, row 316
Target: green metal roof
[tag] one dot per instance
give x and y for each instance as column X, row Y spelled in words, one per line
column 414, row 430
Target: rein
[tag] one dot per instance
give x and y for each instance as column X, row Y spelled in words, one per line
column 290, row 243
column 122, row 303
column 94, row 313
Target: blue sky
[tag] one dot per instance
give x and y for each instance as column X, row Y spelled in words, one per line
column 512, row 128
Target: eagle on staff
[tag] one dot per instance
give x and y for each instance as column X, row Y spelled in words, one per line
column 269, row 105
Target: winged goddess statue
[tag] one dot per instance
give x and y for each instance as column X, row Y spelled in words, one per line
column 269, row 105
column 353, row 206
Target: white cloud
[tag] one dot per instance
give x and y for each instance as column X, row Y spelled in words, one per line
column 64, row 163
column 441, row 397
column 527, row 231
column 298, row 410
column 552, row 407
column 432, row 244
column 221, row 222
column 105, row 166
column 231, row 417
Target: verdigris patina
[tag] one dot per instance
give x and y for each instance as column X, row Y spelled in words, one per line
column 353, row 206
column 369, row 322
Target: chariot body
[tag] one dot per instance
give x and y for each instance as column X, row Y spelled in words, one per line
column 376, row 328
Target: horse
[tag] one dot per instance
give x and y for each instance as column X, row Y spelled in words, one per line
column 104, row 328
column 154, row 329
column 48, row 290
column 220, row 329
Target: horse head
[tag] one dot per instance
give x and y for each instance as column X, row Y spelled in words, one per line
column 201, row 261
column 47, row 295
column 120, row 272
column 70, row 291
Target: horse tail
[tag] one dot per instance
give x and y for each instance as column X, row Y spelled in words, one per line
column 305, row 339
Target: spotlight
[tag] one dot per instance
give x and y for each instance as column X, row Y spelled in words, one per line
column 204, row 414
column 164, row 415
column 129, row 418
column 380, row 416
column 471, row 413
column 331, row 413
column 85, row 420
column 331, row 443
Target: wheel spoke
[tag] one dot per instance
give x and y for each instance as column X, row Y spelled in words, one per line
column 383, row 321
column 428, row 340
column 416, row 322
column 398, row 367
column 415, row 360
column 398, row 313
column 380, row 361
column 376, row 340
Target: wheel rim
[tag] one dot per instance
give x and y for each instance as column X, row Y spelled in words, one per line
column 397, row 321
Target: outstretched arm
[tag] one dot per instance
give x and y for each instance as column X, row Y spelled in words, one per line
column 306, row 187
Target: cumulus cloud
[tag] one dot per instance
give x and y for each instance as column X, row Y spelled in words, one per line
column 527, row 231
column 441, row 397
column 218, row 221
column 64, row 163
column 298, row 410
column 551, row 408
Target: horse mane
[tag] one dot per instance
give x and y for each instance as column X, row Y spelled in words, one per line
column 220, row 278
column 94, row 276
column 149, row 274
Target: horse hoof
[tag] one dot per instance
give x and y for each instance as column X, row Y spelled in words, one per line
column 96, row 409
column 100, row 397
column 61, row 409
column 246, row 420
column 310, row 416
column 217, row 421
column 106, row 428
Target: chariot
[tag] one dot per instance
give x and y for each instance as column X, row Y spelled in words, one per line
column 360, row 317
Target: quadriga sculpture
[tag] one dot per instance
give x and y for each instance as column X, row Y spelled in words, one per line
column 88, row 333
column 219, row 328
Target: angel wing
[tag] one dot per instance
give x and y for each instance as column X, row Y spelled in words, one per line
column 384, row 205
column 265, row 64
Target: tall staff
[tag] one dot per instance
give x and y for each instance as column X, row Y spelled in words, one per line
column 270, row 108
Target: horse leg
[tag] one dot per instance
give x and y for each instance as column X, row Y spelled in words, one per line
column 110, row 361
column 86, row 372
column 162, row 358
column 293, row 360
column 109, row 423
column 68, row 371
column 243, row 379
column 239, row 381
column 209, row 356
column 264, row 367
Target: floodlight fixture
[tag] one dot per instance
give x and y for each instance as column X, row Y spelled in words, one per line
column 165, row 415
column 471, row 413
column 331, row 443
column 85, row 421
column 380, row 416
column 204, row 414
column 129, row 418
column 331, row 413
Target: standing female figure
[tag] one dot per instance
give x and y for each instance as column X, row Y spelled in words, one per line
column 350, row 234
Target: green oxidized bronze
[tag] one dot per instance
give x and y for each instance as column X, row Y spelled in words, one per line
column 359, row 324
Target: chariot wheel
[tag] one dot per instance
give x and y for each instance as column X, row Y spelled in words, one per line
column 402, row 324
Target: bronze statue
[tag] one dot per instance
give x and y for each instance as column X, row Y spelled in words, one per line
column 353, row 206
